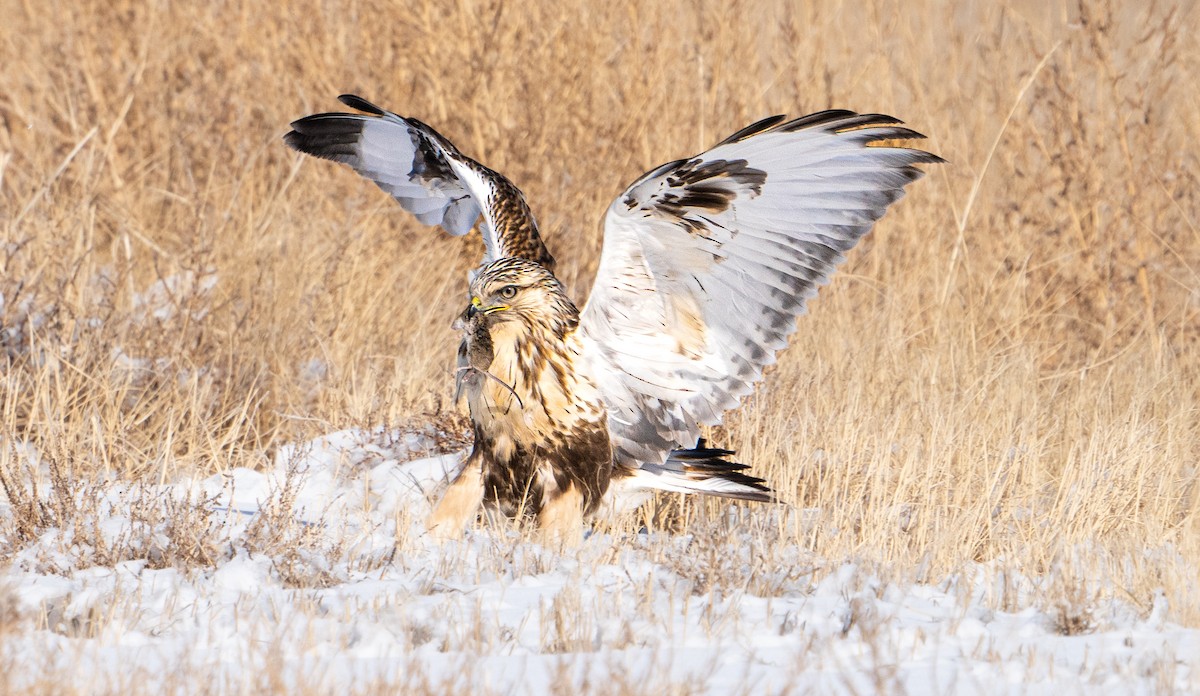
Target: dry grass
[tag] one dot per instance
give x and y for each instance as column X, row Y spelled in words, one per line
column 1007, row 370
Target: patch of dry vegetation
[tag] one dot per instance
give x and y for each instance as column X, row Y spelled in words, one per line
column 1007, row 369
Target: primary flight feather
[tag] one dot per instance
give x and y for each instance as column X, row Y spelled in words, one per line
column 707, row 262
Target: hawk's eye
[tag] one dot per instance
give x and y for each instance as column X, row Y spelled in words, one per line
column 508, row 292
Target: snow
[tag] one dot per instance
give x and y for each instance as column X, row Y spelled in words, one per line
column 321, row 579
column 164, row 298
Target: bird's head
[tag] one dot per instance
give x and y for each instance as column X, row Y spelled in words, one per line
column 513, row 289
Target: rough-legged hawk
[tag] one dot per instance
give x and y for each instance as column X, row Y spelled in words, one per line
column 707, row 262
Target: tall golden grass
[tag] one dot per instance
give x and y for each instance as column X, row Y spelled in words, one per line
column 1007, row 370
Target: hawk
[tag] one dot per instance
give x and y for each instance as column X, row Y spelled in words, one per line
column 706, row 264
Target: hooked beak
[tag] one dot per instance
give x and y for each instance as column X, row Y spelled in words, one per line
column 475, row 309
column 478, row 308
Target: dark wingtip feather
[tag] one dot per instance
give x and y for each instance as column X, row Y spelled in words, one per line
column 761, row 495
column 703, row 462
column 331, row 124
column 753, row 129
column 356, row 102
column 876, row 131
column 700, row 451
column 875, row 128
column 854, row 121
column 293, row 140
column 331, row 136
column 820, row 118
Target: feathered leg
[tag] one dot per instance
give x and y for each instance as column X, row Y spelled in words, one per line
column 460, row 504
column 561, row 519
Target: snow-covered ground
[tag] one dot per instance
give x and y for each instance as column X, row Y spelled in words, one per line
column 316, row 577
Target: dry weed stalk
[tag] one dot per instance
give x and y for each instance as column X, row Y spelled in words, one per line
column 1006, row 369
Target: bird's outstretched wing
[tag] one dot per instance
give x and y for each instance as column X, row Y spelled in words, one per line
column 426, row 174
column 708, row 261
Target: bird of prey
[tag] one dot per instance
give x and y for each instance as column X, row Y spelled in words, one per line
column 707, row 262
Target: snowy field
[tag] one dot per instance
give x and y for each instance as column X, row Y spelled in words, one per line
column 317, row 578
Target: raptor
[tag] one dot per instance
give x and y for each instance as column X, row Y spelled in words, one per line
column 706, row 264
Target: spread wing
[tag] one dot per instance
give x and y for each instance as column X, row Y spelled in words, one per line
column 426, row 174
column 708, row 261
